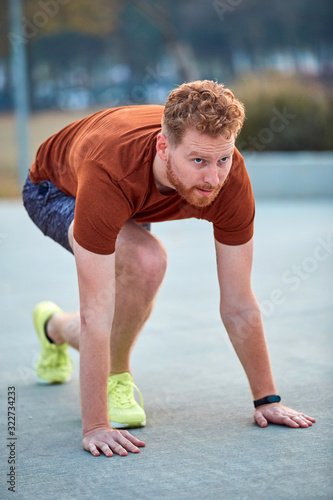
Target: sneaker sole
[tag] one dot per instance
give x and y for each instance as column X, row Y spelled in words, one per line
column 46, row 382
column 117, row 425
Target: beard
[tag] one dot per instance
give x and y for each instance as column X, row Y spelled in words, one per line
column 191, row 195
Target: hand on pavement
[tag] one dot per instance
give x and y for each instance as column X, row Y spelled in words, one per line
column 276, row 413
column 109, row 441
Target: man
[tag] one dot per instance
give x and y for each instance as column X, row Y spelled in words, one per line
column 93, row 188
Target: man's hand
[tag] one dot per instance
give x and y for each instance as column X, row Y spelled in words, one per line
column 276, row 413
column 109, row 440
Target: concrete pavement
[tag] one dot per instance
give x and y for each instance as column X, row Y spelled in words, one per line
column 201, row 441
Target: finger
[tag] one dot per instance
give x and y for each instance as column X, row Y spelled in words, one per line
column 92, row 449
column 289, row 422
column 117, row 448
column 260, row 419
column 128, row 445
column 311, row 419
column 302, row 422
column 132, row 438
column 305, row 422
column 105, row 448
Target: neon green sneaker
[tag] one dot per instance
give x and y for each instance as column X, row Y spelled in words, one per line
column 124, row 411
column 54, row 365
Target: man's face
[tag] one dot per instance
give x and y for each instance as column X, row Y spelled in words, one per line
column 198, row 167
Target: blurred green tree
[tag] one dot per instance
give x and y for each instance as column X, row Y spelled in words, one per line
column 50, row 17
column 197, row 34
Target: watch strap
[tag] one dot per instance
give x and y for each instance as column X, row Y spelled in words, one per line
column 267, row 400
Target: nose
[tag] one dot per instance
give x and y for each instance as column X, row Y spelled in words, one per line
column 211, row 176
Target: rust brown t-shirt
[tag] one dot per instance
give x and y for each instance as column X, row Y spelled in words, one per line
column 106, row 160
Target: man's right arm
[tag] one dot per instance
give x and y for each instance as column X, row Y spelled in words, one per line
column 96, row 279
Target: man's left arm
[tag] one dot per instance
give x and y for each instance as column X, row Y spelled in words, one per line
column 241, row 316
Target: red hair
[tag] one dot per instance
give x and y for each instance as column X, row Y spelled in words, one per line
column 205, row 105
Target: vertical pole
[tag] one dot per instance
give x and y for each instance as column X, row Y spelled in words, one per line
column 20, row 86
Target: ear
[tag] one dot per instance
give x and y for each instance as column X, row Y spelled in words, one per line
column 162, row 146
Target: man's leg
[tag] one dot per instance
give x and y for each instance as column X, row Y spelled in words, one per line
column 140, row 269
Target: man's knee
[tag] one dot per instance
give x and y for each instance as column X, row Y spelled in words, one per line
column 152, row 259
column 144, row 261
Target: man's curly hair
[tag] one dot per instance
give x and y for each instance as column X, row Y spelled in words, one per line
column 207, row 106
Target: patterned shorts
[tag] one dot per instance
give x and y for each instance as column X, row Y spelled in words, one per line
column 51, row 210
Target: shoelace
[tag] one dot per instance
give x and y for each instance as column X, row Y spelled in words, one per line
column 122, row 393
column 56, row 359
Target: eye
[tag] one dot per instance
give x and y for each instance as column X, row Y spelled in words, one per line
column 225, row 159
column 198, row 161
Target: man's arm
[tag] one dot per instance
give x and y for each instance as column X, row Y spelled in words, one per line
column 96, row 279
column 241, row 316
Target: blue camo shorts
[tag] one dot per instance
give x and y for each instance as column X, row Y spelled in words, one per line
column 51, row 210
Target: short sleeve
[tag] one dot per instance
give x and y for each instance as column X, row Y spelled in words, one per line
column 101, row 209
column 234, row 222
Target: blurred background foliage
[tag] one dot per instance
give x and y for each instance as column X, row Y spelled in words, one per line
column 305, row 104
column 277, row 56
